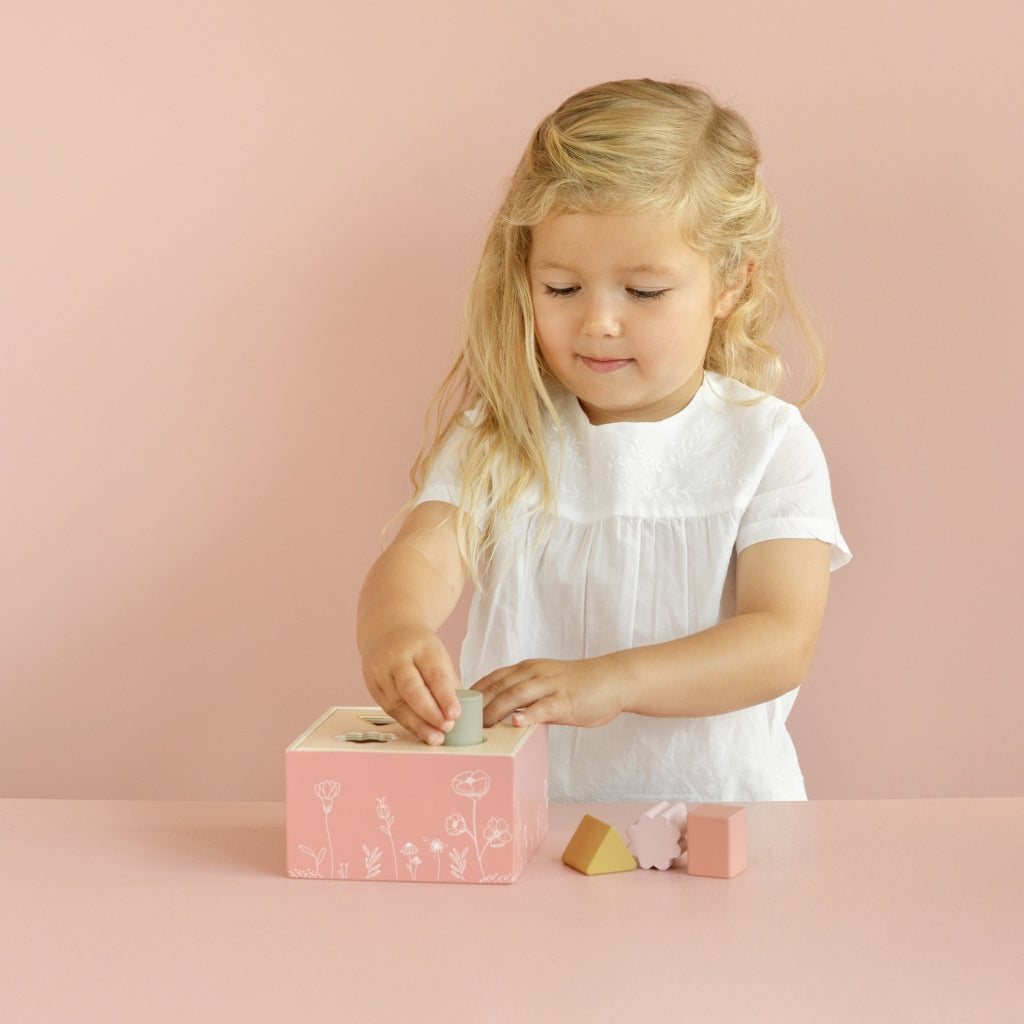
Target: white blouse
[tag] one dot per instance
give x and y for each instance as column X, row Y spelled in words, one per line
column 649, row 519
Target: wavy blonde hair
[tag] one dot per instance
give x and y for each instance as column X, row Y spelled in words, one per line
column 622, row 147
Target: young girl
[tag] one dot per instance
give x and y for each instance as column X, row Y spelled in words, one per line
column 650, row 533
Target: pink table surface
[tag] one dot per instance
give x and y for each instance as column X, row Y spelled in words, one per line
column 849, row 911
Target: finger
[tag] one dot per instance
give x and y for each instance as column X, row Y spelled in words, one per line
column 515, row 695
column 493, row 682
column 511, row 675
column 392, row 704
column 438, row 674
column 414, row 701
column 383, row 690
column 410, row 721
column 551, row 710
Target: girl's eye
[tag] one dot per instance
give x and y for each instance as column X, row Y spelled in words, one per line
column 549, row 290
column 647, row 295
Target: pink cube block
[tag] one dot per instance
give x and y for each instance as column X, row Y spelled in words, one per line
column 716, row 840
column 367, row 800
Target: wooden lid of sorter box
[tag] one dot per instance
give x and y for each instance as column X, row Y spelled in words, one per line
column 329, row 733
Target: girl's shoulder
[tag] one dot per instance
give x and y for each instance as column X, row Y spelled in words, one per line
column 732, row 396
column 759, row 417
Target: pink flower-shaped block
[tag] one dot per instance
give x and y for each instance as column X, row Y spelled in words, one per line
column 658, row 836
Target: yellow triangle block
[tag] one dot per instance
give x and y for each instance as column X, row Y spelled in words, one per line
column 597, row 849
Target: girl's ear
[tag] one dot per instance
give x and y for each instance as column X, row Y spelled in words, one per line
column 733, row 291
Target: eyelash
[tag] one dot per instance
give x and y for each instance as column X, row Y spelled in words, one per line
column 641, row 294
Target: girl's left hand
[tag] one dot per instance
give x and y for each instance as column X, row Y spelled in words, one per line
column 586, row 692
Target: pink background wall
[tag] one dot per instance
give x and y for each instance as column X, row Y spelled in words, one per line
column 234, row 239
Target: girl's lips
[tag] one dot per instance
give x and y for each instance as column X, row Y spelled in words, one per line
column 605, row 365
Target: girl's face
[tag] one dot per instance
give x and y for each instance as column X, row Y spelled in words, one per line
column 623, row 310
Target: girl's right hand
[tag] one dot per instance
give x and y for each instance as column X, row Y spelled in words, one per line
column 410, row 674
column 409, row 591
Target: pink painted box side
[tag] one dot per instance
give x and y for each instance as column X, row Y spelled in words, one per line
column 403, row 811
column 716, row 839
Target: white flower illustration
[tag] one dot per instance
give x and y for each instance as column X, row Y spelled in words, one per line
column 409, row 852
column 327, row 790
column 371, row 859
column 436, row 847
column 385, row 815
column 475, row 785
column 318, row 857
column 497, row 833
column 455, row 825
column 458, row 862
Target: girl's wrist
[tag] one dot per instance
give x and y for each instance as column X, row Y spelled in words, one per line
column 616, row 677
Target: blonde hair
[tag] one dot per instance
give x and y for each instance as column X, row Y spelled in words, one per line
column 622, row 147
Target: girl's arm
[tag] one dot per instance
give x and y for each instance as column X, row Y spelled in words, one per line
column 761, row 653
column 409, row 591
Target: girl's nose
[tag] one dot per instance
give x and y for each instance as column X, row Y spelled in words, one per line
column 601, row 320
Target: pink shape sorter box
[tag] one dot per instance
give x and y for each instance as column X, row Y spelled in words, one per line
column 361, row 806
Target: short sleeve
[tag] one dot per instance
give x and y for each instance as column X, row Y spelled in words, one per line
column 444, row 479
column 794, row 497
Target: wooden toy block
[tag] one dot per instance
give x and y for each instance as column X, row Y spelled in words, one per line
column 716, row 839
column 366, row 800
column 658, row 837
column 597, row 849
column 468, row 729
